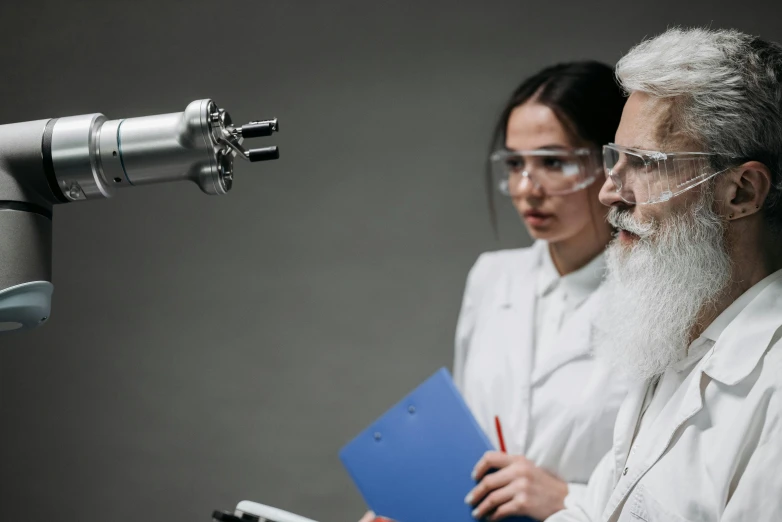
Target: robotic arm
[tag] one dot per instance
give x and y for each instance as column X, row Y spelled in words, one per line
column 65, row 160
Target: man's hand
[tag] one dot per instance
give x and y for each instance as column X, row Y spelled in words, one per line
column 518, row 487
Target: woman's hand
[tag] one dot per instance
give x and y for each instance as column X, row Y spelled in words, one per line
column 518, row 487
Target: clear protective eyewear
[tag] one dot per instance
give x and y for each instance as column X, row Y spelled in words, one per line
column 644, row 177
column 556, row 171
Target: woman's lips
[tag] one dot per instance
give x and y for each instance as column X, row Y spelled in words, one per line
column 535, row 218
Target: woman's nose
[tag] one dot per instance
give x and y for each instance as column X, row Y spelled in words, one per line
column 525, row 186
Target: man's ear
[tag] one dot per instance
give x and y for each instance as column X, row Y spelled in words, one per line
column 746, row 189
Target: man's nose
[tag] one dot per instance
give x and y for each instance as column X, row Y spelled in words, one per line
column 609, row 195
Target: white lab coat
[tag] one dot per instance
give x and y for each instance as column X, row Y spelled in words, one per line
column 493, row 369
column 714, row 451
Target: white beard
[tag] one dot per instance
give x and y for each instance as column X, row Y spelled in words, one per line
column 656, row 288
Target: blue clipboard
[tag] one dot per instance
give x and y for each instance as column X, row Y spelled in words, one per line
column 414, row 463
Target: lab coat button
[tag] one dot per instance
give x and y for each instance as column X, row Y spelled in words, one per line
column 625, row 472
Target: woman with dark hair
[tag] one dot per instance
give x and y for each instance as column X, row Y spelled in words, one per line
column 522, row 340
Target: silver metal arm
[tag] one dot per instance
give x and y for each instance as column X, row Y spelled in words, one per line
column 76, row 158
column 92, row 157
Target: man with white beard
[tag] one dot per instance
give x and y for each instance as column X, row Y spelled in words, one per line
column 693, row 304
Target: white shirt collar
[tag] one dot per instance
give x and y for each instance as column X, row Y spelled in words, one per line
column 577, row 285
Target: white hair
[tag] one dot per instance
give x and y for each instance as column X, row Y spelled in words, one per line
column 726, row 91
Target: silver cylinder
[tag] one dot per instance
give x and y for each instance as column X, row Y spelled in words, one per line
column 108, row 155
column 171, row 147
column 75, row 157
column 92, row 156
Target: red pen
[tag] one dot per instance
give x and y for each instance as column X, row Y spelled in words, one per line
column 499, row 433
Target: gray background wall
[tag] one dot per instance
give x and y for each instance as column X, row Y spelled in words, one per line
column 208, row 350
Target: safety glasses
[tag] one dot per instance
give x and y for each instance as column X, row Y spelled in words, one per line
column 556, row 171
column 644, row 177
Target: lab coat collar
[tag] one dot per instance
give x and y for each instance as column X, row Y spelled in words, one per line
column 578, row 285
column 744, row 330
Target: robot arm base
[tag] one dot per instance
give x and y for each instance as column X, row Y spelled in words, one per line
column 25, row 306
